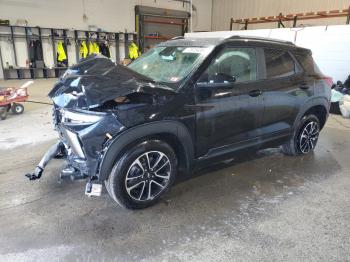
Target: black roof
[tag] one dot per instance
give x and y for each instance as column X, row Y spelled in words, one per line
column 260, row 39
column 201, row 41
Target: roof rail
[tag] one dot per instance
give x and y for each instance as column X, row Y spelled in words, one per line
column 260, row 38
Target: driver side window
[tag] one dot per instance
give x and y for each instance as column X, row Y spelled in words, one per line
column 232, row 65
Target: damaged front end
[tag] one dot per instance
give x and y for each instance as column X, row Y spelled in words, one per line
column 84, row 135
column 95, row 101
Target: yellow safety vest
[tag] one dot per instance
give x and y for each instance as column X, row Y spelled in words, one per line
column 91, row 48
column 83, row 50
column 61, row 54
column 133, row 51
column 94, row 48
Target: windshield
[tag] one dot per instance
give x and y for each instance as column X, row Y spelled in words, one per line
column 169, row 64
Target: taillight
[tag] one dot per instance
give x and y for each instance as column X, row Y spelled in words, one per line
column 328, row 80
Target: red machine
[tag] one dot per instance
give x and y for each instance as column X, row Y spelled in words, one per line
column 10, row 99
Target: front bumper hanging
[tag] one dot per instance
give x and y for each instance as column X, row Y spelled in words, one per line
column 53, row 151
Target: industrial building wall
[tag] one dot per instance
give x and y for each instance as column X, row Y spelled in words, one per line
column 110, row 15
column 223, row 10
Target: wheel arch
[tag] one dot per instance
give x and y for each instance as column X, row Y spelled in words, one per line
column 174, row 133
column 320, row 111
column 318, row 107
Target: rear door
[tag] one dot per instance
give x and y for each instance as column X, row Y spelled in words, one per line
column 284, row 90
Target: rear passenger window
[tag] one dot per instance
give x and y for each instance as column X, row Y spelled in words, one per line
column 279, row 63
column 306, row 60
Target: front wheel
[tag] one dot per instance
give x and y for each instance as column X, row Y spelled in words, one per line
column 305, row 138
column 142, row 174
column 17, row 108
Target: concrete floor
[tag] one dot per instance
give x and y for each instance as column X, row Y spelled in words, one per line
column 265, row 207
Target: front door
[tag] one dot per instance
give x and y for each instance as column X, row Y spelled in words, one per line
column 229, row 102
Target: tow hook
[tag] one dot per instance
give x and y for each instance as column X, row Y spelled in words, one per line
column 71, row 173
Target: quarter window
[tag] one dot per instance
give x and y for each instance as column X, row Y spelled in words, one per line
column 279, row 63
column 232, row 65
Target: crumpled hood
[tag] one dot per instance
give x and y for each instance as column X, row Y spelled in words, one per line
column 96, row 80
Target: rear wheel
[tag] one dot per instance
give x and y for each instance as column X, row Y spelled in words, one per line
column 143, row 174
column 305, row 138
column 17, row 108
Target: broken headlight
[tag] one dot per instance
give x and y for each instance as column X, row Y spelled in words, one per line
column 79, row 117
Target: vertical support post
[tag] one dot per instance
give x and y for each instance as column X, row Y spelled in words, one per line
column 191, row 12
column 14, row 54
column 280, row 21
column 295, row 19
column 41, row 41
column 28, row 48
column 186, row 25
column 117, row 51
column 246, row 25
column 3, row 68
column 137, row 24
column 14, row 46
column 42, row 52
column 53, row 47
column 77, row 46
column 87, row 41
column 348, row 17
column 126, row 44
column 231, row 24
column 54, row 53
column 141, row 34
column 65, row 46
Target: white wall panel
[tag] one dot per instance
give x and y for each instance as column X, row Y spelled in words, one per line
column 223, row 10
column 110, row 15
column 329, row 44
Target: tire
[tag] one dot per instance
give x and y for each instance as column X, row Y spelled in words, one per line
column 304, row 138
column 3, row 113
column 107, row 188
column 17, row 108
column 142, row 174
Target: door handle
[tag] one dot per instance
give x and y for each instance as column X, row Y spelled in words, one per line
column 255, row 93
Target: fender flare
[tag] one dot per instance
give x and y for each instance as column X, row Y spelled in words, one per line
column 123, row 139
column 317, row 101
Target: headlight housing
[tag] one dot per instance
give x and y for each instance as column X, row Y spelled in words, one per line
column 80, row 117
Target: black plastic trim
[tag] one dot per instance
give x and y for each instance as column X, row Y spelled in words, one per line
column 145, row 130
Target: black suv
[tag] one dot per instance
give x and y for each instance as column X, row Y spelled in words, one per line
column 181, row 105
